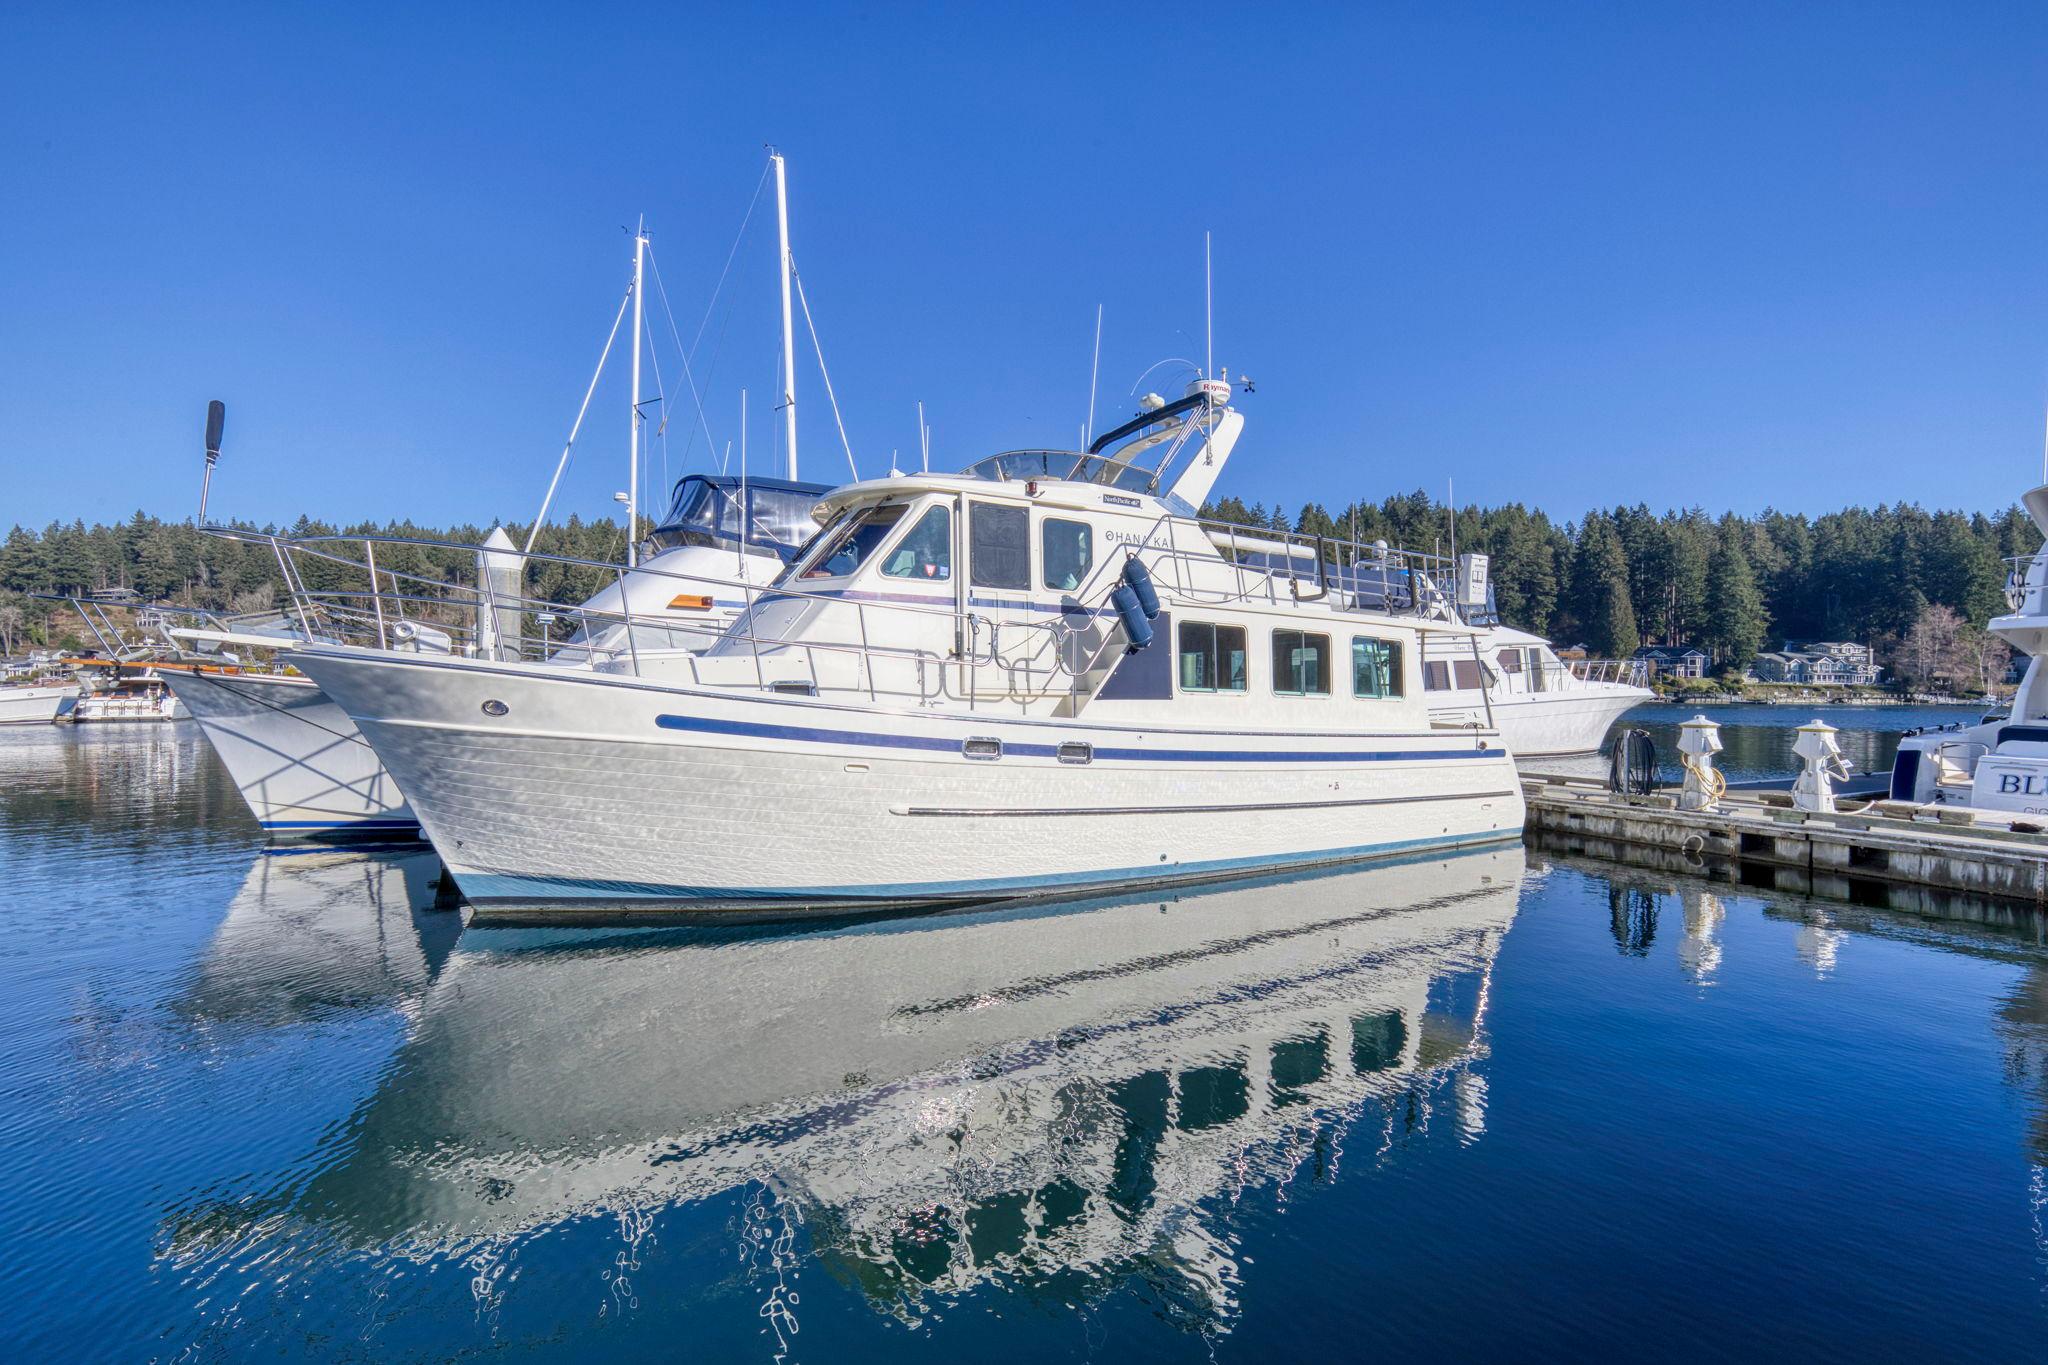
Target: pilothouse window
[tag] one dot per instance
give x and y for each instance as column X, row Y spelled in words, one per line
column 1066, row 551
column 841, row 550
column 925, row 553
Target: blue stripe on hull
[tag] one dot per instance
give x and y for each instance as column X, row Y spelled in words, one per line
column 869, row 739
column 484, row 887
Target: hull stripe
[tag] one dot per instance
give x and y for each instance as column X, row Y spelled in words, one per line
column 994, row 811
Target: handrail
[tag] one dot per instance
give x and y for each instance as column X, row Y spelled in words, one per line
column 1027, row 660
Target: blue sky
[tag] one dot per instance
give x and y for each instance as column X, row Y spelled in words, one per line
column 1728, row 255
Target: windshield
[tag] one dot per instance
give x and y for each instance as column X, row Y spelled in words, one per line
column 707, row 512
column 1069, row 465
column 846, row 544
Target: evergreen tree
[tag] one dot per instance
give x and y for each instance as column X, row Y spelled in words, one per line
column 1736, row 621
column 1601, row 591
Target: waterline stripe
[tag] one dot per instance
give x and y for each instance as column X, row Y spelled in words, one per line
column 869, row 739
column 516, row 888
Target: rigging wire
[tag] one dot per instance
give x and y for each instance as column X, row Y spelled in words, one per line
column 569, row 445
column 738, row 237
column 824, row 374
column 697, row 398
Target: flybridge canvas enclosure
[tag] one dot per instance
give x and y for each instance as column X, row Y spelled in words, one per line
column 772, row 514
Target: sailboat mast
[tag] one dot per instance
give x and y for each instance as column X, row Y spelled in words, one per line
column 633, row 477
column 788, row 335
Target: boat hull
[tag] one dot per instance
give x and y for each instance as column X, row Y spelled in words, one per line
column 296, row 758
column 1548, row 724
column 33, row 705
column 549, row 788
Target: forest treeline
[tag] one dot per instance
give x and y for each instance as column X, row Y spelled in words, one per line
column 1615, row 579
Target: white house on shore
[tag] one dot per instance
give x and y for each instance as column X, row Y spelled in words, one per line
column 1827, row 663
column 1674, row 661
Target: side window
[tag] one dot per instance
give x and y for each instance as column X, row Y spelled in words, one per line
column 1510, row 660
column 999, row 546
column 1466, row 671
column 1301, row 664
column 927, row 552
column 1066, row 551
column 1436, row 677
column 1212, row 658
column 1375, row 667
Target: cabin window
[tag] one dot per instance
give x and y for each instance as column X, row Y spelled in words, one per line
column 842, row 551
column 1066, row 551
column 1375, row 667
column 1466, row 674
column 1301, row 664
column 927, row 552
column 1510, row 660
column 1436, row 677
column 999, row 546
column 1212, row 658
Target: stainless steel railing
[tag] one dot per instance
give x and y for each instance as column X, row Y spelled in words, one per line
column 410, row 593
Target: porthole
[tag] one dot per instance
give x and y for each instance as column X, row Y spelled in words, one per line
column 982, row 747
column 494, row 707
column 1075, row 751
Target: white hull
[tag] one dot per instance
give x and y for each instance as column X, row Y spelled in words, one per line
column 606, row 790
column 295, row 756
column 33, row 705
column 1537, row 724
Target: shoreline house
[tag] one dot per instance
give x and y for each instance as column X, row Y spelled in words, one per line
column 1674, row 661
column 1825, row 663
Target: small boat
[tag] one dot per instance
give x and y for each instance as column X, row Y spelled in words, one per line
column 123, row 696
column 1043, row 674
column 2000, row 763
column 34, row 703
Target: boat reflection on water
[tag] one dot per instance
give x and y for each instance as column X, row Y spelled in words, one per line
column 310, row 935
column 1070, row 1094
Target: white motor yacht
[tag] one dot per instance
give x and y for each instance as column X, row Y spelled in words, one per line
column 2001, row 763
column 1498, row 678
column 1041, row 674
column 1541, row 704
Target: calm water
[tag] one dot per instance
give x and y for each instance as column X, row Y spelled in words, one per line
column 1757, row 740
column 1482, row 1107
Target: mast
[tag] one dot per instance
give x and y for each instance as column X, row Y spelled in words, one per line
column 633, row 478
column 788, row 335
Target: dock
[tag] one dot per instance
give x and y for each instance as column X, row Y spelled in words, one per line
column 1760, row 839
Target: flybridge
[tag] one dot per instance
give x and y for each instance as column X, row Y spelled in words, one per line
column 1203, row 412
